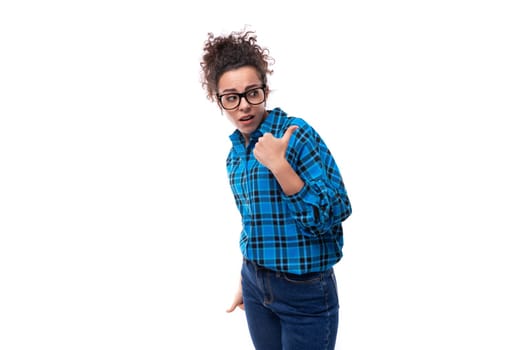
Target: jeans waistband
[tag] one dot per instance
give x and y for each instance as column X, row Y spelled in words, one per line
column 262, row 268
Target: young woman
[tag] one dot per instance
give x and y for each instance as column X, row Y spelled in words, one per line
column 291, row 198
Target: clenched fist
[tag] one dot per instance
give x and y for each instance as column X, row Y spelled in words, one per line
column 270, row 151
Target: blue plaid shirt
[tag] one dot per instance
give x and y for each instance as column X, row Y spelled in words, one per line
column 300, row 233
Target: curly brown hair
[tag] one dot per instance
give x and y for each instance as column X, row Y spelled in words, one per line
column 232, row 51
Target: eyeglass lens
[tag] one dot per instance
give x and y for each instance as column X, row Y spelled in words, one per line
column 233, row 100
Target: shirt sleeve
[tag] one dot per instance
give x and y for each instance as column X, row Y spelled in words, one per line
column 323, row 202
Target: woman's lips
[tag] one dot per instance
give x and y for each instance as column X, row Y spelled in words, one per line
column 246, row 118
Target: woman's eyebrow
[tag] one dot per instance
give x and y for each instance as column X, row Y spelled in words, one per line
column 225, row 91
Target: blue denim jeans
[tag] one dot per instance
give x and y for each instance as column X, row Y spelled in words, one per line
column 291, row 312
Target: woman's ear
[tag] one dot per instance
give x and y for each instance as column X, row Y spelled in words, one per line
column 267, row 93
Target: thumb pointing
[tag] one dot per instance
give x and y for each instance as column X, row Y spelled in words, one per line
column 288, row 133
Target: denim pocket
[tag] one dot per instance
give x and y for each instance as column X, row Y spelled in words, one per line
column 311, row 277
column 334, row 280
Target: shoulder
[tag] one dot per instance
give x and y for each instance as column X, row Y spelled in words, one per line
column 305, row 133
column 282, row 121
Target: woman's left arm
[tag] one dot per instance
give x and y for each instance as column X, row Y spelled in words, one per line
column 322, row 202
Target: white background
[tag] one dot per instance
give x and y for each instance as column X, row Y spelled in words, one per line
column 117, row 226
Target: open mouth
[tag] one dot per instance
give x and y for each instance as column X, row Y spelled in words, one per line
column 248, row 117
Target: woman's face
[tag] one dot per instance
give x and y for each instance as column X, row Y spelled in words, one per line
column 245, row 117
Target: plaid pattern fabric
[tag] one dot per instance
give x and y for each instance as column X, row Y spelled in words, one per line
column 300, row 233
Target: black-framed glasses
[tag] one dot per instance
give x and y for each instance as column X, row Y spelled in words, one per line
column 232, row 100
